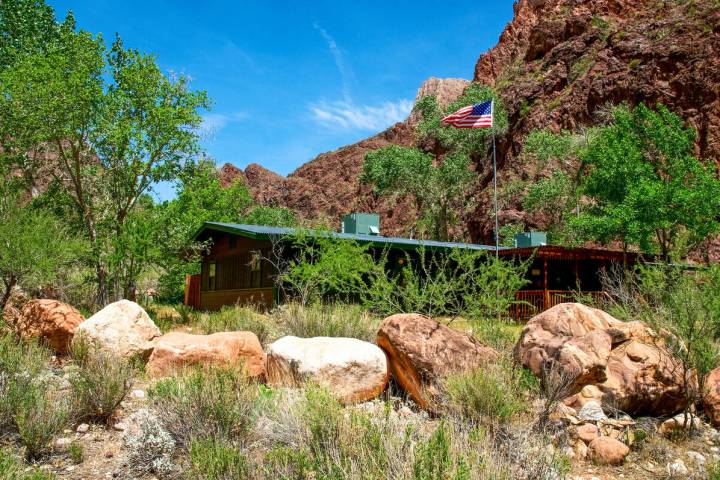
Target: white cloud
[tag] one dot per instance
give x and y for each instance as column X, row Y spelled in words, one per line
column 212, row 123
column 342, row 66
column 346, row 115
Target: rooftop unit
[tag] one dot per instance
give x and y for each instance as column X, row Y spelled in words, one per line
column 530, row 239
column 363, row 223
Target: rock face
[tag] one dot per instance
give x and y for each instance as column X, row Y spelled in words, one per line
column 621, row 364
column 352, row 369
column 608, row 451
column 123, row 328
column 51, row 321
column 176, row 350
column 422, row 352
column 711, row 397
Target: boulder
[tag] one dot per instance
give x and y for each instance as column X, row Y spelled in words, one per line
column 354, row 370
column 624, row 365
column 123, row 328
column 421, row 352
column 608, row 451
column 176, row 350
column 711, row 396
column 51, row 321
column 588, row 432
column 679, row 423
column 592, row 412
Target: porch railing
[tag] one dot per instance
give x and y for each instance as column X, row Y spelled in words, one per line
column 532, row 302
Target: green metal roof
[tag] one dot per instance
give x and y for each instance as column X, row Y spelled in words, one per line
column 261, row 232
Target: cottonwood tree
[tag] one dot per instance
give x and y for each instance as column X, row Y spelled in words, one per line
column 635, row 180
column 108, row 123
column 440, row 181
column 646, row 185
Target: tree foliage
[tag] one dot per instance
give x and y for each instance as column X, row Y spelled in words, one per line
column 34, row 247
column 439, row 183
column 635, row 180
column 105, row 123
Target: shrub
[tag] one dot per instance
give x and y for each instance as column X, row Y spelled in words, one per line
column 38, row 419
column 101, row 382
column 232, row 319
column 12, row 468
column 432, row 458
column 216, row 402
column 212, row 459
column 20, row 364
column 27, row 403
column 487, row 394
column 327, row 320
column 76, row 452
column 150, row 447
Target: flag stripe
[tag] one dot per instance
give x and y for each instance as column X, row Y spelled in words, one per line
column 479, row 115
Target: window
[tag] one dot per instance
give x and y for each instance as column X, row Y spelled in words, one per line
column 233, row 241
column 255, row 270
column 212, row 269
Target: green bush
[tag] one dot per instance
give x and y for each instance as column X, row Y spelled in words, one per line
column 215, row 403
column 28, row 406
column 76, row 452
column 20, row 364
column 492, row 393
column 233, row 319
column 101, row 382
column 326, row 320
column 38, row 418
column 432, row 457
column 212, row 459
column 12, row 468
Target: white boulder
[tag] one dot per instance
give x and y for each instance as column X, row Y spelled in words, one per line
column 122, row 328
column 354, row 370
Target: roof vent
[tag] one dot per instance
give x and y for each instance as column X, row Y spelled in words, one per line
column 362, row 223
column 530, row 239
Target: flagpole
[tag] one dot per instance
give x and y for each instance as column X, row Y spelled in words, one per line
column 495, row 202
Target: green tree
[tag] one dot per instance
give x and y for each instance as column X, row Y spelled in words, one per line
column 26, row 27
column 109, row 124
column 34, row 246
column 439, row 182
column 646, row 186
column 436, row 189
column 635, row 180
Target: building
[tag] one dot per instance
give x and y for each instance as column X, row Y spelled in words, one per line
column 238, row 267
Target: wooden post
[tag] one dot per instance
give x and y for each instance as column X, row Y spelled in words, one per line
column 577, row 276
column 187, row 289
column 546, row 292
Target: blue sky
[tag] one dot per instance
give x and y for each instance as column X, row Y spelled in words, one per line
column 290, row 80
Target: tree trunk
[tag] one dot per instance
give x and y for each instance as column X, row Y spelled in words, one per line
column 9, row 284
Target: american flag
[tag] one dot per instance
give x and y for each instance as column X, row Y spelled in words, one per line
column 479, row 115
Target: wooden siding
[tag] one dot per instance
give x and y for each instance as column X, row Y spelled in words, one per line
column 259, row 297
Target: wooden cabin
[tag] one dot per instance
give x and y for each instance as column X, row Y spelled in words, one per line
column 236, row 268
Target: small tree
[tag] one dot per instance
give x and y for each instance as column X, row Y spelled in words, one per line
column 439, row 182
column 34, row 246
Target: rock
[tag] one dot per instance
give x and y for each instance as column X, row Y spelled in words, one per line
column 677, row 469
column 352, row 369
column 138, row 394
column 581, row 449
column 83, row 428
column 51, row 321
column 422, row 352
column 696, row 457
column 63, row 442
column 592, row 412
column 123, row 328
column 619, row 364
column 711, row 396
column 678, row 423
column 176, row 350
column 608, row 451
column 588, row 432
